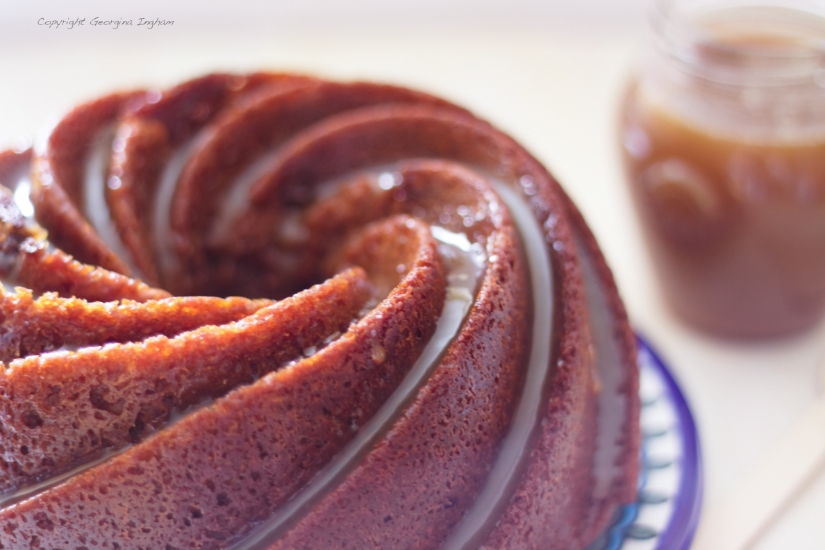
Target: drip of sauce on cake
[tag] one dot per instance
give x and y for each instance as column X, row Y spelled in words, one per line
column 166, row 260
column 506, row 466
column 96, row 208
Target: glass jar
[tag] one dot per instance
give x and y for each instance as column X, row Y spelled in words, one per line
column 723, row 138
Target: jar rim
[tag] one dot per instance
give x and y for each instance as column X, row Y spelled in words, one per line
column 756, row 42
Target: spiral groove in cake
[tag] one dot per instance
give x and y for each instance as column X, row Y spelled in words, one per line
column 426, row 348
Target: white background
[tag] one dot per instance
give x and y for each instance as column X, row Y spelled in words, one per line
column 548, row 72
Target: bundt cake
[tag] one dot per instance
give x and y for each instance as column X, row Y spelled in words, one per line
column 426, row 348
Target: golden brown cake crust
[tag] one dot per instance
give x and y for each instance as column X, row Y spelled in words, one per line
column 392, row 203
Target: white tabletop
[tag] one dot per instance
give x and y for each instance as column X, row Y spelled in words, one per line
column 551, row 79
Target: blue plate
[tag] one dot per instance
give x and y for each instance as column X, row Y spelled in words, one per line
column 666, row 511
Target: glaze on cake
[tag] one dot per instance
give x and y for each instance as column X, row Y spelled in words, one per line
column 426, row 349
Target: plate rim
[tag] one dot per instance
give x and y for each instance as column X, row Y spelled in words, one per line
column 679, row 533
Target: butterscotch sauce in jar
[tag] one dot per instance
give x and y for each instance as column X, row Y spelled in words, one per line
column 723, row 139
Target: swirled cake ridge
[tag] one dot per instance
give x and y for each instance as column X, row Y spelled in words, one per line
column 274, row 311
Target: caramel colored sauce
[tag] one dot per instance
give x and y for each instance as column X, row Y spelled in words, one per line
column 734, row 216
